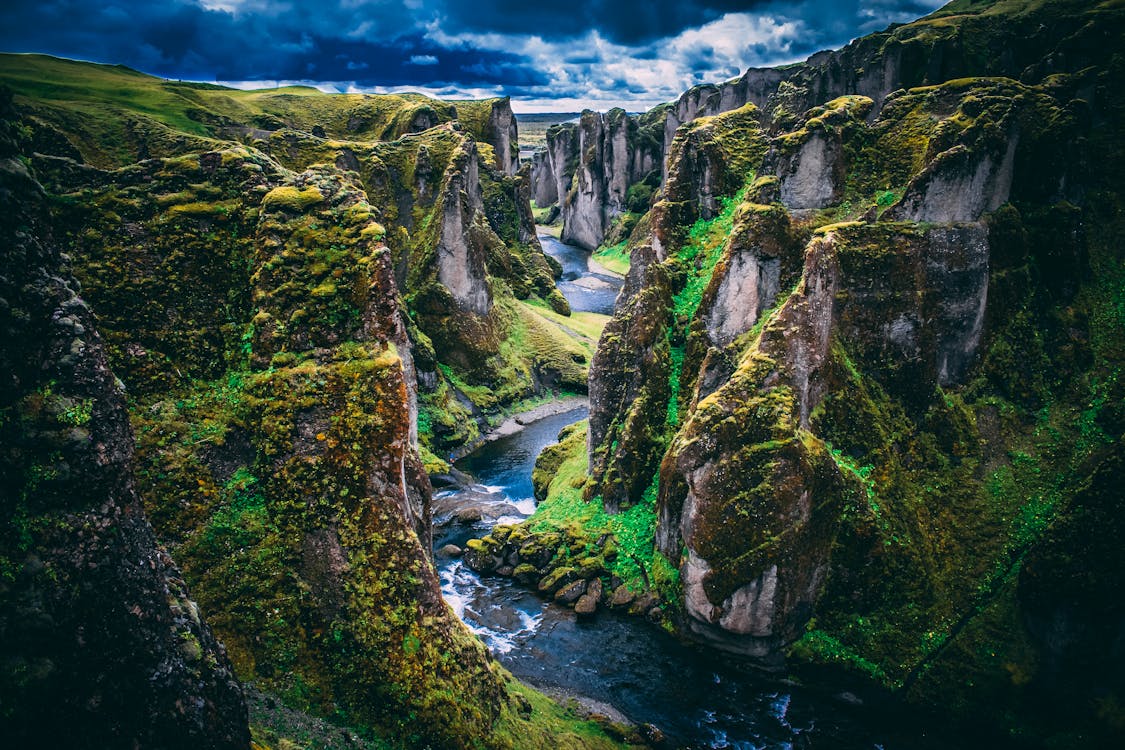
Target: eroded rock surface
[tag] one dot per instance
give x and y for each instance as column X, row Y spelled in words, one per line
column 103, row 644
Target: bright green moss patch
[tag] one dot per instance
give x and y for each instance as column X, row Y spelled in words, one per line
column 564, row 508
column 532, row 721
column 817, row 647
column 289, row 198
column 614, row 257
column 586, row 326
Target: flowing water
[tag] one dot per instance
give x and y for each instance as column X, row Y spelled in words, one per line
column 697, row 698
column 587, row 291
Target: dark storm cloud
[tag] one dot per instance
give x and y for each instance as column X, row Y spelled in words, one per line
column 377, row 44
column 551, row 50
column 640, row 22
column 628, row 22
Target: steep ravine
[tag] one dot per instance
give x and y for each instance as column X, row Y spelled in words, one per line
column 855, row 417
column 623, row 666
column 862, row 380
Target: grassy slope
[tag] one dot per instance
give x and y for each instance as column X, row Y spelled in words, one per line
column 107, row 98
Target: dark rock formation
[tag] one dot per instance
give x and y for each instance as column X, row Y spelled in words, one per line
column 588, row 168
column 755, row 86
column 101, row 644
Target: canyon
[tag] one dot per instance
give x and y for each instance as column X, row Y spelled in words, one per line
column 854, row 413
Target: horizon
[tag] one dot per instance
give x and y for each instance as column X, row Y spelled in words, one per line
column 546, row 60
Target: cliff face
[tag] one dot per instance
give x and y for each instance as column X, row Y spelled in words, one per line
column 492, row 121
column 298, row 322
column 834, row 373
column 631, row 375
column 588, row 168
column 103, row 645
column 755, row 86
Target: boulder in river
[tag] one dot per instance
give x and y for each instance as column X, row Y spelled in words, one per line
column 621, row 597
column 586, row 605
column 571, row 592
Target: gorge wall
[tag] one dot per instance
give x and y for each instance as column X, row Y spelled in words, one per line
column 588, row 168
column 863, row 371
column 103, row 644
column 304, row 300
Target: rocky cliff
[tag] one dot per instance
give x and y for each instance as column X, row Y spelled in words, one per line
column 1024, row 41
column 297, row 321
column 588, row 168
column 103, row 644
column 863, row 370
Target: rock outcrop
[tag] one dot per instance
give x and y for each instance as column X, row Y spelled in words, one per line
column 756, row 86
column 631, row 371
column 102, row 642
column 492, row 121
column 588, row 168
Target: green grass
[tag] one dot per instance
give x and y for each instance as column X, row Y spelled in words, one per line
column 704, row 246
column 548, row 725
column 614, row 258
column 633, row 530
column 533, row 127
column 818, row 647
column 102, row 108
column 539, row 213
column 588, row 325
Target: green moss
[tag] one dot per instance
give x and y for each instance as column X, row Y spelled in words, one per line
column 564, row 509
column 817, row 647
column 292, row 199
column 113, row 116
column 531, row 721
column 614, row 257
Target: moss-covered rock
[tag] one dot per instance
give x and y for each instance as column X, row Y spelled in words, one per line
column 855, row 470
column 104, row 644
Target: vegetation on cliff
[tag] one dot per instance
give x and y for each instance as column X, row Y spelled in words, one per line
column 291, row 304
column 872, row 379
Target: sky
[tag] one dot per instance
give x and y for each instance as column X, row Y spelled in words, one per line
column 557, row 56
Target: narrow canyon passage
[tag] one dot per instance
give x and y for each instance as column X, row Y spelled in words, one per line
column 615, row 664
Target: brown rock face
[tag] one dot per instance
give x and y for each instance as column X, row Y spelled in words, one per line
column 101, row 645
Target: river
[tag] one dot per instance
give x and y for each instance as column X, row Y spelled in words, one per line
column 697, row 698
column 587, row 290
